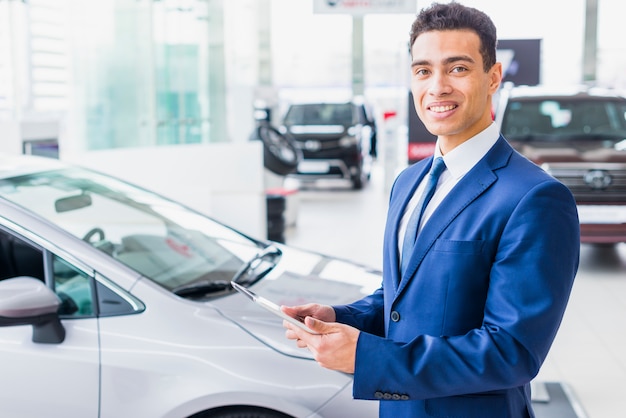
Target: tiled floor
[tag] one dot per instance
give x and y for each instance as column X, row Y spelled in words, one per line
column 589, row 353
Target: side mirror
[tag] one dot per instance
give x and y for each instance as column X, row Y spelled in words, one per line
column 28, row 301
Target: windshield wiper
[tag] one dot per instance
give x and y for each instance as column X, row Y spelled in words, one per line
column 201, row 288
column 249, row 273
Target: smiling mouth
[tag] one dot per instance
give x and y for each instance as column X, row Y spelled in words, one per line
column 441, row 109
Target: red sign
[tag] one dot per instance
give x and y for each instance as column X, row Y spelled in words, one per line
column 420, row 150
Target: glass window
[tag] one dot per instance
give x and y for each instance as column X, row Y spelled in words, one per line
column 320, row 114
column 563, row 118
column 74, row 288
column 19, row 258
column 142, row 72
column 158, row 238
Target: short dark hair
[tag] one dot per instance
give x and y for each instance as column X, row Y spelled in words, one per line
column 453, row 16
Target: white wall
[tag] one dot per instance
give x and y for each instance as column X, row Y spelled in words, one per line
column 10, row 137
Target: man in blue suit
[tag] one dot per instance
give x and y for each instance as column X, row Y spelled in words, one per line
column 465, row 318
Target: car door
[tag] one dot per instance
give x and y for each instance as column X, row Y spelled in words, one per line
column 49, row 379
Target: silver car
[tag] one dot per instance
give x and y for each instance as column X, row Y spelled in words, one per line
column 116, row 302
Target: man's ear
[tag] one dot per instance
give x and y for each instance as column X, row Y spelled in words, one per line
column 495, row 73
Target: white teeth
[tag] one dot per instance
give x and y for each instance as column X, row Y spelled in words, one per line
column 442, row 108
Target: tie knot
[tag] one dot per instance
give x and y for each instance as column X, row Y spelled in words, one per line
column 438, row 167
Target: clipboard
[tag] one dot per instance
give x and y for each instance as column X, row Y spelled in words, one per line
column 270, row 306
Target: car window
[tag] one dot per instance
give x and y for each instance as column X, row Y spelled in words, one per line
column 19, row 258
column 74, row 287
column 158, row 238
column 562, row 118
column 320, row 114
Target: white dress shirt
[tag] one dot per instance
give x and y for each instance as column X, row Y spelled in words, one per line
column 459, row 161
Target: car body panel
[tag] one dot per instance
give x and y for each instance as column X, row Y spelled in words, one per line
column 184, row 365
column 36, row 378
column 167, row 355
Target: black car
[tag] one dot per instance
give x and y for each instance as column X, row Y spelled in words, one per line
column 337, row 140
column 579, row 136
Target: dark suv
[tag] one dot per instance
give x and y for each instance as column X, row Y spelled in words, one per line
column 336, row 140
column 578, row 136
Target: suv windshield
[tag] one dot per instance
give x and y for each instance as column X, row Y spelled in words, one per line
column 158, row 238
column 320, row 114
column 565, row 118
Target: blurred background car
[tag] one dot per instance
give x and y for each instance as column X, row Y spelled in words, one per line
column 338, row 140
column 116, row 302
column 579, row 136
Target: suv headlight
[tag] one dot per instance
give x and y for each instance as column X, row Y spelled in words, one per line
column 348, row 141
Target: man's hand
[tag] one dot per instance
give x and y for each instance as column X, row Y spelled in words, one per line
column 322, row 312
column 335, row 346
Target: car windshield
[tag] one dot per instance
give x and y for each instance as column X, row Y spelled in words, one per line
column 320, row 114
column 567, row 118
column 160, row 239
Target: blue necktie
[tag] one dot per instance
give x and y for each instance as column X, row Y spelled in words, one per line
column 414, row 221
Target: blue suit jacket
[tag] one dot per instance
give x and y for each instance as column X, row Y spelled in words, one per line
column 463, row 332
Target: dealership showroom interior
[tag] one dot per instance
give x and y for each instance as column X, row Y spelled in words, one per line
column 162, row 162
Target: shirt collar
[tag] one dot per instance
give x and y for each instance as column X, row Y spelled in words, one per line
column 465, row 156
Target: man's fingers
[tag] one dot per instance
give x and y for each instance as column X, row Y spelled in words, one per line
column 316, row 325
column 294, row 313
column 300, row 336
column 300, row 311
column 321, row 327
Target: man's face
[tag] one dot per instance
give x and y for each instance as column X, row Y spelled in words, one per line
column 451, row 91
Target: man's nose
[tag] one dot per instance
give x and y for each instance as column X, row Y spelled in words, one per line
column 439, row 84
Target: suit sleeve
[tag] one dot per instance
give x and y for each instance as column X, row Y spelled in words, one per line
column 365, row 314
column 529, row 285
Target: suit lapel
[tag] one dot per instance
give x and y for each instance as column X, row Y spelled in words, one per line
column 470, row 187
column 396, row 210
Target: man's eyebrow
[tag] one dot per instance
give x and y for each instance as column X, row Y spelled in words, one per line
column 466, row 58
column 420, row 63
column 447, row 61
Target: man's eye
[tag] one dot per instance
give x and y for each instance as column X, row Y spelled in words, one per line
column 421, row 72
column 459, row 69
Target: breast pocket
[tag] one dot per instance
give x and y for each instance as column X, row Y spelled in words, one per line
column 462, row 270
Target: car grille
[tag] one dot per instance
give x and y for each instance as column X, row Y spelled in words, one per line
column 592, row 183
column 314, row 145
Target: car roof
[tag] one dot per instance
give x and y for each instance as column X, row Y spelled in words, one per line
column 12, row 165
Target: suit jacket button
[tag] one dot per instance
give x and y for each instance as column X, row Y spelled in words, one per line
column 387, row 396
column 395, row 316
column 378, row 395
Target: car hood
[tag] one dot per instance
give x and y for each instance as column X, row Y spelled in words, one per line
column 573, row 151
column 300, row 277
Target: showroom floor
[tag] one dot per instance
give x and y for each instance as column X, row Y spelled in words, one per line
column 588, row 357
